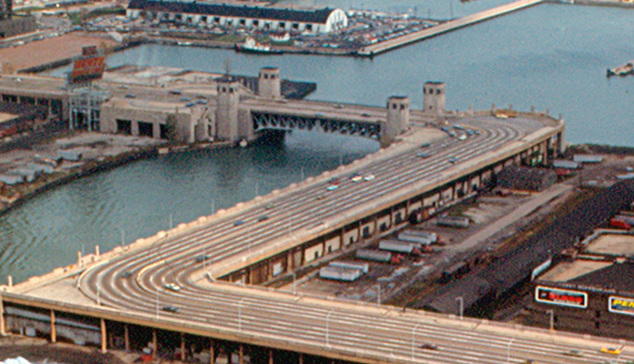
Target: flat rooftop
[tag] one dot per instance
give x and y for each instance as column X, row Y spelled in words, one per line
column 612, row 244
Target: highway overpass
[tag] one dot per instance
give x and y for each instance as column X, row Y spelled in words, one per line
column 160, row 284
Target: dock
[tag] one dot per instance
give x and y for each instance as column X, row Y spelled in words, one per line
column 446, row 27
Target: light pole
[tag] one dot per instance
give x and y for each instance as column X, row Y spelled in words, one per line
column 551, row 313
column 257, row 189
column 508, row 351
column 240, row 314
column 213, row 206
column 98, row 295
column 328, row 329
column 413, row 333
column 461, row 306
column 170, row 221
column 122, row 237
column 378, row 295
column 157, row 303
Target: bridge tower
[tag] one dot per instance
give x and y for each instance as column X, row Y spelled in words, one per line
column 434, row 98
column 227, row 109
column 269, row 83
column 397, row 118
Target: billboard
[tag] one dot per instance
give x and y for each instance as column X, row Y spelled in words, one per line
column 622, row 305
column 561, row 297
column 87, row 69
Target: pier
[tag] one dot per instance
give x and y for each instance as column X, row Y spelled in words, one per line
column 449, row 26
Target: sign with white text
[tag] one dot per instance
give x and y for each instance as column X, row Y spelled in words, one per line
column 561, row 297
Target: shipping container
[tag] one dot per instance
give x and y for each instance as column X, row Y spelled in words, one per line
column 619, row 224
column 452, row 221
column 364, row 267
column 425, row 234
column 420, row 240
column 587, row 158
column 398, row 246
column 340, row 274
column 374, row 255
column 626, row 218
column 561, row 163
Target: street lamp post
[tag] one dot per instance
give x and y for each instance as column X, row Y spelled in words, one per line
column 328, row 329
column 157, row 303
column 508, row 351
column 122, row 237
column 461, row 306
column 551, row 313
column 98, row 295
column 413, row 333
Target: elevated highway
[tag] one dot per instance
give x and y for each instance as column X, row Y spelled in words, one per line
column 163, row 283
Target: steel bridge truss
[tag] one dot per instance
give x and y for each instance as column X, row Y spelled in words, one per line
column 263, row 121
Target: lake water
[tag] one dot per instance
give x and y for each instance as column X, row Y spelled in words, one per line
column 550, row 56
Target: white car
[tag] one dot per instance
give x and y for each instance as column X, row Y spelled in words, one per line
column 332, row 187
column 369, row 177
column 172, row 287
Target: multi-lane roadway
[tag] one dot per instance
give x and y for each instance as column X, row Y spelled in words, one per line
column 165, row 281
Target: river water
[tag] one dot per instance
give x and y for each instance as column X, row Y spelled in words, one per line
column 550, row 56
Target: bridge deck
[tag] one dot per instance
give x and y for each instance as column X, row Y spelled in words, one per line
column 344, row 330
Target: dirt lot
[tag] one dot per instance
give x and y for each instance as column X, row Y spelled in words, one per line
column 37, row 351
column 48, row 50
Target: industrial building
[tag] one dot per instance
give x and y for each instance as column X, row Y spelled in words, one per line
column 318, row 21
column 589, row 290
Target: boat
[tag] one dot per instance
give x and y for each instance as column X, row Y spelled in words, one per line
column 622, row 70
column 250, row 45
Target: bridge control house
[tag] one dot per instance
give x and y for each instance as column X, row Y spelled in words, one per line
column 317, row 21
column 589, row 291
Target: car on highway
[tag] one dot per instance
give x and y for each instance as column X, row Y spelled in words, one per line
column 610, row 350
column 269, row 206
column 429, row 346
column 462, row 137
column 444, row 128
column 130, row 96
column 263, row 218
column 453, row 160
column 332, row 187
column 172, row 309
column 202, row 258
column 574, row 352
column 356, row 178
column 126, row 274
column 172, row 287
column 186, row 99
column 338, row 106
column 369, row 177
column 470, row 132
column 425, row 145
column 458, row 127
column 175, row 92
column 366, row 115
column 334, row 181
column 238, row 223
column 423, row 155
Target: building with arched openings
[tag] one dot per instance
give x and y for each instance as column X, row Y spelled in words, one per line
column 316, row 21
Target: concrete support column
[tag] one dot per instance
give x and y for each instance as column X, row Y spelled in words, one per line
column 3, row 329
column 301, row 358
column 104, row 336
column 212, row 354
column 182, row 347
column 241, row 354
column 53, row 330
column 289, row 261
column 49, row 106
column 126, row 337
column 270, row 356
column 154, row 343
